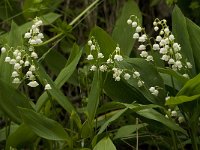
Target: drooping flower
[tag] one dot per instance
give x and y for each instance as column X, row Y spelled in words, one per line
column 138, row 29
column 149, row 58
column 7, row 59
column 181, row 119
column 118, row 57
column 174, row 113
column 93, row 68
column 3, row 49
column 127, row 76
column 142, row 47
column 136, row 35
column 144, row 54
column 156, row 47
column 103, row 68
column 136, row 74
column 140, row 83
column 109, row 61
column 16, row 81
column 33, row 84
column 89, row 42
column 129, row 21
column 90, row 57
column 134, row 24
column 100, row 55
column 14, row 74
column 47, row 87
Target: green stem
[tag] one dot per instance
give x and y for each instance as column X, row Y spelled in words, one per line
column 193, row 139
column 174, row 140
column 7, row 127
column 45, row 54
column 173, row 85
column 137, row 135
column 83, row 13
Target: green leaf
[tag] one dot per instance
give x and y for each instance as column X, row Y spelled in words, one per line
column 155, row 115
column 15, row 36
column 123, row 33
column 13, row 127
column 93, row 98
column 54, row 92
column 128, row 91
column 191, row 88
column 104, row 40
column 43, row 126
column 60, row 80
column 173, row 73
column 55, row 61
column 167, row 74
column 10, row 99
column 180, row 32
column 181, row 99
column 14, row 40
column 113, row 118
column 120, row 91
column 66, row 72
column 194, row 32
column 109, row 106
column 138, row 107
column 112, row 88
column 105, row 144
column 86, row 130
column 23, row 136
column 127, row 130
column 149, row 75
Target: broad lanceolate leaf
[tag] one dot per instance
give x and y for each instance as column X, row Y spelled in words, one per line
column 23, row 136
column 155, row 115
column 149, row 75
column 121, row 91
column 43, row 126
column 194, row 32
column 180, row 32
column 181, row 99
column 14, row 40
column 182, row 80
column 63, row 76
column 112, row 88
column 113, row 118
column 55, row 61
column 66, row 72
column 105, row 144
column 127, row 130
column 106, row 43
column 3, row 137
column 191, row 88
column 54, row 92
column 123, row 33
column 10, row 99
column 93, row 98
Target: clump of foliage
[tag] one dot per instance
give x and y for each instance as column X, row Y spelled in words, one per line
column 129, row 89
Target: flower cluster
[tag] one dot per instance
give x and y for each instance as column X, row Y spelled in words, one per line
column 154, row 90
column 34, row 35
column 141, row 36
column 164, row 43
column 22, row 60
column 175, row 115
column 110, row 65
